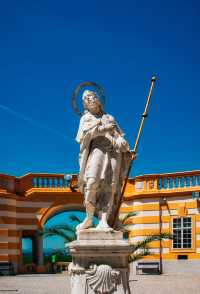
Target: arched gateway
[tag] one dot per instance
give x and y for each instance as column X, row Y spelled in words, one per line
column 163, row 203
column 26, row 203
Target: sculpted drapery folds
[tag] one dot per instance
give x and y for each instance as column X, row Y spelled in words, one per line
column 104, row 159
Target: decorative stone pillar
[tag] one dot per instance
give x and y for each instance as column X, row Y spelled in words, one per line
column 99, row 263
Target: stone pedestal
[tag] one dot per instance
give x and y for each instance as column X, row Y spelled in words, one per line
column 99, row 263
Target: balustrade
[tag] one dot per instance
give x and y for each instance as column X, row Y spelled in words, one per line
column 141, row 184
column 52, row 182
column 178, row 182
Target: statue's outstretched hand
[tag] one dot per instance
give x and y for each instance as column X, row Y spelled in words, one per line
column 133, row 154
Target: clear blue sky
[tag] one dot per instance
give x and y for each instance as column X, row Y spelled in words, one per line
column 47, row 47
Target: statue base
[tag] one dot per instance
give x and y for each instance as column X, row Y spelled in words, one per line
column 99, row 262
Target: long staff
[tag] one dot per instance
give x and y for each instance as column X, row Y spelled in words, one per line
column 144, row 116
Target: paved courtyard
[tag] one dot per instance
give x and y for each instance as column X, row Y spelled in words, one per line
column 59, row 284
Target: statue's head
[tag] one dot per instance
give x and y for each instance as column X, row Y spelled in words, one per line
column 92, row 102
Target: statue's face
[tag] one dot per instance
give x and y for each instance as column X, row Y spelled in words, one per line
column 91, row 99
column 92, row 103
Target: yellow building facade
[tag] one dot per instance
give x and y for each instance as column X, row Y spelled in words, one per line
column 163, row 203
column 167, row 203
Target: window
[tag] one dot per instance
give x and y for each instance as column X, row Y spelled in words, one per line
column 182, row 233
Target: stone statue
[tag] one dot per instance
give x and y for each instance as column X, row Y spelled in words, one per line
column 100, row 256
column 104, row 159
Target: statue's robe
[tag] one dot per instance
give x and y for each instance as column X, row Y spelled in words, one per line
column 101, row 158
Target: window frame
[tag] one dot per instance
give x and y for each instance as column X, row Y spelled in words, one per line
column 193, row 225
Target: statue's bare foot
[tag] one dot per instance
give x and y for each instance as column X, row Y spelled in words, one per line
column 103, row 223
column 86, row 224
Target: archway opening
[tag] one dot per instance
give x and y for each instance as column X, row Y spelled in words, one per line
column 56, row 244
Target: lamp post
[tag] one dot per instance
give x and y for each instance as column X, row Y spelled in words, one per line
column 162, row 201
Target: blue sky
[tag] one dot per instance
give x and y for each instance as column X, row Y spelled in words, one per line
column 48, row 47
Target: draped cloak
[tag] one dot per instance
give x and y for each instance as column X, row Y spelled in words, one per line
column 90, row 140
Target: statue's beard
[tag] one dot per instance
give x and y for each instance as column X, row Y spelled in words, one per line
column 94, row 109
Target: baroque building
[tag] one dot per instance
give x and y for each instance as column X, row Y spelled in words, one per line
column 163, row 203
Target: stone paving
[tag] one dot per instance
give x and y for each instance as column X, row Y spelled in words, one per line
column 141, row 284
